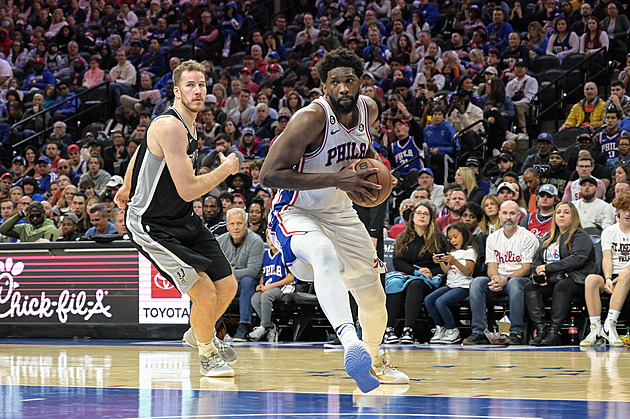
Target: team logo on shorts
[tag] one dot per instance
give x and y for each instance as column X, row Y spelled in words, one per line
column 181, row 275
column 361, row 127
column 332, row 120
column 147, row 228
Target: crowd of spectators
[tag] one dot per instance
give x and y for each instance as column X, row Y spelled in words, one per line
column 450, row 78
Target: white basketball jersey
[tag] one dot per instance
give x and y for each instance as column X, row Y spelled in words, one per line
column 339, row 148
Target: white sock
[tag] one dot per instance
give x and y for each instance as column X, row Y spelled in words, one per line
column 206, row 349
column 597, row 321
column 347, row 334
column 613, row 315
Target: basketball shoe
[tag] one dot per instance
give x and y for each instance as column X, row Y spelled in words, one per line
column 451, row 336
column 358, row 363
column 387, row 374
column 227, row 353
column 592, row 337
column 438, row 334
column 609, row 332
column 213, row 365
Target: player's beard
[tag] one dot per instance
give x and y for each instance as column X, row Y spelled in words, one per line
column 346, row 107
column 192, row 107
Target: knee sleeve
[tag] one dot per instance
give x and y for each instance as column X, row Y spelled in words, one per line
column 316, row 249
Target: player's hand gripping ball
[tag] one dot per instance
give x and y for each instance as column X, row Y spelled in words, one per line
column 382, row 177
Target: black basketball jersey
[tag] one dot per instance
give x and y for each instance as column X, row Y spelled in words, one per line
column 153, row 194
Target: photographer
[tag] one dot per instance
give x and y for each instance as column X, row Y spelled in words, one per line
column 561, row 265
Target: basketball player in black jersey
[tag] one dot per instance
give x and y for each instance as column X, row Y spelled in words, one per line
column 160, row 186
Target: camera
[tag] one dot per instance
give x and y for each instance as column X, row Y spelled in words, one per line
column 539, row 279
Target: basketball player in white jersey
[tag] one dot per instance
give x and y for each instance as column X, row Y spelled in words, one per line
column 313, row 222
column 160, row 186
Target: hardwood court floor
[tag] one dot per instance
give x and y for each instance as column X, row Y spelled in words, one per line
column 97, row 379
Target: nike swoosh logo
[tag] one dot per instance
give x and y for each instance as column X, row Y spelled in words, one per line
column 333, row 132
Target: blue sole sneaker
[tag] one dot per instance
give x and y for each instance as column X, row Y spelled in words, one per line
column 358, row 362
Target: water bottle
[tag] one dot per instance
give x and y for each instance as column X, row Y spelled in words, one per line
column 573, row 332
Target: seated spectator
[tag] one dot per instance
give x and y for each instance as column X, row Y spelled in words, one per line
column 69, row 227
column 275, row 282
column 96, row 173
column 38, row 227
column 531, row 178
column 618, row 99
column 257, row 220
column 539, row 222
column 458, row 265
column 541, row 158
column 588, row 112
column 584, row 169
column 615, row 280
column 119, row 223
column 455, row 203
column 426, row 179
column 99, row 218
column 31, row 189
column 557, row 173
column 606, row 140
column 595, row 214
column 593, row 38
column 8, row 208
column 535, row 41
column 244, row 250
column 465, row 177
column 40, row 78
column 263, row 123
column 399, row 222
column 405, row 147
column 565, row 258
column 413, row 256
column 564, row 41
column 507, row 274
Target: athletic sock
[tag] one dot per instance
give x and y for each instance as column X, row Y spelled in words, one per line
column 613, row 315
column 347, row 334
column 206, row 349
column 597, row 321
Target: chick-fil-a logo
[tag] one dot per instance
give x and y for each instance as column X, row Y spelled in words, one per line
column 43, row 306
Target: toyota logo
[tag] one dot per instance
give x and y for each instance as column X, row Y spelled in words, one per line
column 162, row 283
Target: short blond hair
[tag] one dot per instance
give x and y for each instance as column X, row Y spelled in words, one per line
column 190, row 65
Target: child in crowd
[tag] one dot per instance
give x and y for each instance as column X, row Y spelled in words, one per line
column 274, row 283
column 458, row 265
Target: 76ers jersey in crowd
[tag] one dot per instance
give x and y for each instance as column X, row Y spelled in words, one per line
column 340, row 146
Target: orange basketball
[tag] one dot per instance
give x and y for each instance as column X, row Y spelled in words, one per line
column 382, row 177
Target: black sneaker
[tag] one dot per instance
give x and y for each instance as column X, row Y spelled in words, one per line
column 407, row 336
column 514, row 339
column 476, row 339
column 390, row 336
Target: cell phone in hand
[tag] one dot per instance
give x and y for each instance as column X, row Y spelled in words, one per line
column 440, row 255
column 539, row 279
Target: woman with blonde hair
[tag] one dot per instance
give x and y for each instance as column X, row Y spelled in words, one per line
column 536, row 41
column 561, row 264
column 65, row 201
column 413, row 255
column 490, row 222
column 219, row 91
column 465, row 177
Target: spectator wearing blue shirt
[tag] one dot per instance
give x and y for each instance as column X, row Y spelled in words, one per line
column 46, row 175
column 161, row 84
column 100, row 222
column 154, row 60
column 8, row 209
column 68, row 108
column 439, row 135
column 40, row 77
column 499, row 31
column 430, row 12
column 370, row 17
